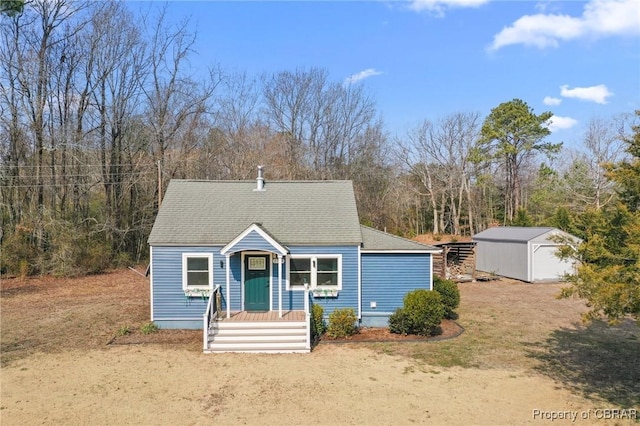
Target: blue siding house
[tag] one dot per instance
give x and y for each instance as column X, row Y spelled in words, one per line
column 245, row 261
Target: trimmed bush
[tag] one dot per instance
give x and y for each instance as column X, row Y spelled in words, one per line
column 342, row 323
column 425, row 311
column 450, row 295
column 421, row 314
column 317, row 320
column 399, row 322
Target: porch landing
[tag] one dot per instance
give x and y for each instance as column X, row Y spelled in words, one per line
column 244, row 316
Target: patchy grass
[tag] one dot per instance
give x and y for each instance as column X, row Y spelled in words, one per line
column 513, row 325
column 508, row 325
column 593, row 359
column 45, row 314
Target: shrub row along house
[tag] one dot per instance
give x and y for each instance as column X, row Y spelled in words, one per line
column 245, row 260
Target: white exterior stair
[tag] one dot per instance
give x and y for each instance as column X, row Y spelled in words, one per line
column 258, row 337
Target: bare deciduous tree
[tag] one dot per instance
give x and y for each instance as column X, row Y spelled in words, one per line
column 585, row 182
column 176, row 103
column 438, row 156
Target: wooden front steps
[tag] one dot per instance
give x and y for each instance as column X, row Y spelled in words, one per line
column 242, row 333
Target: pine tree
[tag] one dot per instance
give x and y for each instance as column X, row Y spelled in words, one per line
column 608, row 275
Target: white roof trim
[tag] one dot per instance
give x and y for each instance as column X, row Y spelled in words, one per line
column 401, row 251
column 254, row 227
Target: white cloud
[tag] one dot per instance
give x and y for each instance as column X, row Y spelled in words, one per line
column 370, row 72
column 438, row 6
column 548, row 100
column 597, row 94
column 556, row 123
column 600, row 18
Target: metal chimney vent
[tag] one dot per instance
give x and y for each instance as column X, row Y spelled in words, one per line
column 260, row 180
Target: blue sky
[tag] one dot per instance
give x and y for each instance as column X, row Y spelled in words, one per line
column 429, row 58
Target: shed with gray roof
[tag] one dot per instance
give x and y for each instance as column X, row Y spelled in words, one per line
column 524, row 253
column 228, row 256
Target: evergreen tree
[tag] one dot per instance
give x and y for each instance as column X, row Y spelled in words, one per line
column 608, row 275
column 512, row 134
column 11, row 7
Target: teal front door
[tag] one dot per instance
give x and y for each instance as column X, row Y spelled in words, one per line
column 256, row 283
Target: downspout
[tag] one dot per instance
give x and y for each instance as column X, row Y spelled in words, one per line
column 279, row 285
column 359, row 283
column 151, row 279
column 228, row 271
column 431, row 271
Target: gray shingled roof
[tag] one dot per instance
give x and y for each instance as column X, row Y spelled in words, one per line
column 512, row 233
column 294, row 212
column 375, row 240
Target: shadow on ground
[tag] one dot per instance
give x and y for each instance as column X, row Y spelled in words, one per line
column 596, row 360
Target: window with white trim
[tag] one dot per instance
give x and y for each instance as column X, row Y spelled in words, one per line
column 322, row 272
column 197, row 272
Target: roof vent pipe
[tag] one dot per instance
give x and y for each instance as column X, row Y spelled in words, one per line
column 260, row 180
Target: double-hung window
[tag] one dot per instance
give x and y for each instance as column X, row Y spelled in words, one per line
column 322, row 272
column 197, row 272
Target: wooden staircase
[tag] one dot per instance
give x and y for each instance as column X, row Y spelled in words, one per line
column 258, row 337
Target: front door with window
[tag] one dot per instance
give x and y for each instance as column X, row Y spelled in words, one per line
column 256, row 283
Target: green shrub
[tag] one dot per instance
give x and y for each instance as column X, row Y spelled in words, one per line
column 148, row 328
column 123, row 331
column 23, row 267
column 399, row 322
column 318, row 325
column 450, row 295
column 421, row 314
column 93, row 257
column 342, row 323
column 19, row 254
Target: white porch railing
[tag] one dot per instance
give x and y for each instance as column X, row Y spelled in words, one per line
column 211, row 313
column 214, row 312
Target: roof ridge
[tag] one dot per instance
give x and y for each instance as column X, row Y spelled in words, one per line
column 266, row 181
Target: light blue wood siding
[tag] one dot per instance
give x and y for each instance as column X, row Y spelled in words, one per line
column 171, row 308
column 348, row 297
column 386, row 278
column 286, row 300
column 253, row 241
column 235, row 283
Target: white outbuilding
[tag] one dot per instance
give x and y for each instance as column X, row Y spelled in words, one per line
column 524, row 253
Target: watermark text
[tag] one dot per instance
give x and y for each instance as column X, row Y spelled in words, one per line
column 591, row 414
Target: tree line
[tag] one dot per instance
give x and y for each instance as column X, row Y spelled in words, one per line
column 100, row 109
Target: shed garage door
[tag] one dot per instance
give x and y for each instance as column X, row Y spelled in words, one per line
column 546, row 265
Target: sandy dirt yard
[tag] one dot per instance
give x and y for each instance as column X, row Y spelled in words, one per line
column 524, row 358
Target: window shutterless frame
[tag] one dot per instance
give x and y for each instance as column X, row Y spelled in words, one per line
column 320, row 271
column 197, row 272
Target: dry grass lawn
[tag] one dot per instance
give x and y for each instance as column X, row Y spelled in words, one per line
column 522, row 350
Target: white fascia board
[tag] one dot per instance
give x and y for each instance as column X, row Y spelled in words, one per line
column 364, row 251
column 185, row 245
column 254, row 227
